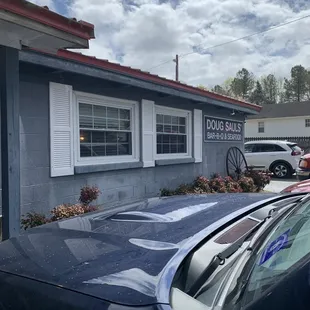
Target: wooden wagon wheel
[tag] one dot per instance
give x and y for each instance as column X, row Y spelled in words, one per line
column 236, row 163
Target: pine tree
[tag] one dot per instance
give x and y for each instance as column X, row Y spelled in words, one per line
column 243, row 84
column 296, row 86
column 270, row 87
column 257, row 95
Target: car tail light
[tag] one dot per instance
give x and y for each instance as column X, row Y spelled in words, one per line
column 296, row 153
column 303, row 164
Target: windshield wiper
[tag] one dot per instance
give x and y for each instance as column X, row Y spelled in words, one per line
column 219, row 259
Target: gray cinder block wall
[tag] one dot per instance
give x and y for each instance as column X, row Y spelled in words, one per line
column 40, row 192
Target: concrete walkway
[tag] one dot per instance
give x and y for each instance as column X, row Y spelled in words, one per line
column 277, row 186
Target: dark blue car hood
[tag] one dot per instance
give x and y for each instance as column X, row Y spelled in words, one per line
column 117, row 257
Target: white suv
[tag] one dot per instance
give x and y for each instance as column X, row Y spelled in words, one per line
column 280, row 157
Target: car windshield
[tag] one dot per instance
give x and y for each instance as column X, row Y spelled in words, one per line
column 286, row 244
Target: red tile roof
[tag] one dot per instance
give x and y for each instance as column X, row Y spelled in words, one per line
column 46, row 17
column 146, row 76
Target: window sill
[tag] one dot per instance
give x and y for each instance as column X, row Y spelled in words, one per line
column 106, row 167
column 175, row 161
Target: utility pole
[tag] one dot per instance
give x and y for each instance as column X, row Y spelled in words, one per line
column 176, row 60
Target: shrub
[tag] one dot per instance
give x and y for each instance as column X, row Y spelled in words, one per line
column 33, row 219
column 247, row 184
column 184, row 189
column 66, row 211
column 88, row 208
column 201, row 184
column 232, row 186
column 260, row 178
column 89, row 194
column 166, row 192
column 217, row 185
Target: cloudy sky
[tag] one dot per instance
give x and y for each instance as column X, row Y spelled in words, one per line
column 146, row 33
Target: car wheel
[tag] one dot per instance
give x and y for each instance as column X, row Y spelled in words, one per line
column 281, row 170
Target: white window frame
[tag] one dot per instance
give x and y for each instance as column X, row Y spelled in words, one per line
column 175, row 112
column 307, row 122
column 261, row 127
column 133, row 106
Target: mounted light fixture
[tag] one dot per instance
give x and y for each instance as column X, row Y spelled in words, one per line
column 232, row 113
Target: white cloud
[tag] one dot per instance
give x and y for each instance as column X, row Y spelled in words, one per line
column 145, row 33
column 48, row 3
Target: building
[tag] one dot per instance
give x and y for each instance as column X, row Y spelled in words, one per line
column 87, row 121
column 290, row 121
column 83, row 120
column 23, row 24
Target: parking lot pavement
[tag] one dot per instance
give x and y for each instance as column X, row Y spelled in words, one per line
column 276, row 186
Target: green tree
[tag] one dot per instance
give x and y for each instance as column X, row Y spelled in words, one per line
column 270, row 88
column 243, row 84
column 219, row 90
column 202, row 87
column 296, row 86
column 257, row 95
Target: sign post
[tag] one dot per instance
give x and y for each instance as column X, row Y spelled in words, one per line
column 222, row 130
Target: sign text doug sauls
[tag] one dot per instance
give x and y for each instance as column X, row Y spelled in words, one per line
column 222, row 130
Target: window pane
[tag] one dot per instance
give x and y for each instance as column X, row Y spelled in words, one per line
column 99, row 150
column 100, row 123
column 112, row 124
column 181, row 139
column 103, row 142
column 98, row 137
column 124, row 125
column 112, row 112
column 173, row 148
column 85, row 109
column 174, row 120
column 167, row 128
column 123, row 137
column 159, row 128
column 173, row 139
column 181, row 148
column 160, row 138
column 159, row 148
column 85, row 136
column 124, row 149
column 182, row 121
column 175, row 129
column 111, row 137
column 182, row 129
column 86, row 122
column 124, row 114
column 100, row 111
column 166, row 149
column 159, row 118
column 111, row 149
column 166, row 139
column 85, row 150
column 167, row 119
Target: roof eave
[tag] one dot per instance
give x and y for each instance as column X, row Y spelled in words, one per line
column 74, row 66
column 48, row 18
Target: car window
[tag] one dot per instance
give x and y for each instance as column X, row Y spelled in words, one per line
column 295, row 147
column 263, row 148
column 248, row 148
column 286, row 245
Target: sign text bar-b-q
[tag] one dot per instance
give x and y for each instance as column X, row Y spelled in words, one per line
column 222, row 130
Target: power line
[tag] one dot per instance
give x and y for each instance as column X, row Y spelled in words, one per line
column 235, row 40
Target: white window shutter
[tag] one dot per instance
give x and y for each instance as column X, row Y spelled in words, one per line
column 61, row 130
column 198, row 135
column 148, row 133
